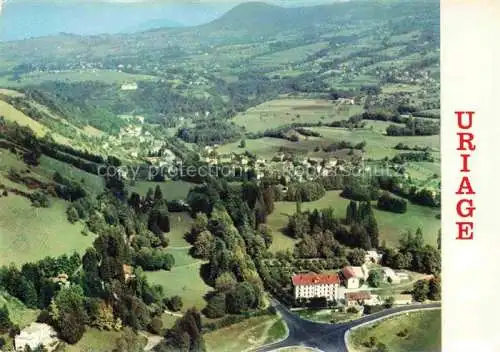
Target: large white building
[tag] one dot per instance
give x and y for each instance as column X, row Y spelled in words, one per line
column 317, row 285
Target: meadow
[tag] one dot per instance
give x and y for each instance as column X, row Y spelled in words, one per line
column 285, row 111
column 184, row 281
column 248, row 334
column 18, row 312
column 390, row 225
column 106, row 76
column 424, row 333
column 95, row 340
column 28, row 234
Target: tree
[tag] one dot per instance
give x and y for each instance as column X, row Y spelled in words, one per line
column 374, row 278
column 268, row 198
column 71, row 313
column 104, row 318
column 175, row 303
column 351, row 212
column 372, row 230
column 5, row 322
column 72, row 214
column 357, row 257
column 159, row 221
column 420, row 291
column 156, row 325
column 129, row 341
column 216, row 307
column 243, row 144
column 203, row 246
column 225, row 282
column 158, row 196
column 434, row 289
column 241, row 299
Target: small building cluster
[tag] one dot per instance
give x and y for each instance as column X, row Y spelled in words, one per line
column 346, row 285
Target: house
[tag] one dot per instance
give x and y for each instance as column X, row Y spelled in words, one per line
column 61, row 279
column 403, row 299
column 359, row 298
column 316, row 285
column 390, row 275
column 35, row 335
column 373, row 257
column 354, row 276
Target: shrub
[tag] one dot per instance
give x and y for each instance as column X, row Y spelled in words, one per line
column 175, row 303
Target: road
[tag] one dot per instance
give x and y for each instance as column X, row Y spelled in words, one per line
column 326, row 337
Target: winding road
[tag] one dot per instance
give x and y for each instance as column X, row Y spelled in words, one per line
column 322, row 336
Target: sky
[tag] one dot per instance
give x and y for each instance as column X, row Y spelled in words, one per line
column 21, row 19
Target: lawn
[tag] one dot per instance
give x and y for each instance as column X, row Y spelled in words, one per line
column 172, row 190
column 279, row 112
column 184, row 281
column 248, row 334
column 29, row 234
column 390, row 225
column 180, row 223
column 328, row 316
column 18, row 312
column 424, row 333
column 95, row 341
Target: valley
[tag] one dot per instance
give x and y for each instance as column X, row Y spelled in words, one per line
column 159, row 187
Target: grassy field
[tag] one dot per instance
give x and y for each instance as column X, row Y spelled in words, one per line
column 172, row 190
column 183, row 280
column 95, row 341
column 18, row 312
column 28, row 234
column 107, row 76
column 48, row 166
column 279, row 112
column 10, row 113
column 424, row 333
column 180, row 223
column 390, row 225
column 248, row 334
column 378, row 145
column 327, row 316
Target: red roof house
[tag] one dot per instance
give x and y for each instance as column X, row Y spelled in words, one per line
column 315, row 279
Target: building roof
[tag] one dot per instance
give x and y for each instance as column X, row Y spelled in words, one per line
column 315, row 279
column 353, row 271
column 357, row 296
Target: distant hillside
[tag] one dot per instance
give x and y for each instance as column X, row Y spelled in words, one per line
column 263, row 18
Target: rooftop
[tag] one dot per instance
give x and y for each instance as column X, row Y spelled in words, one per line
column 357, row 296
column 353, row 271
column 315, row 279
